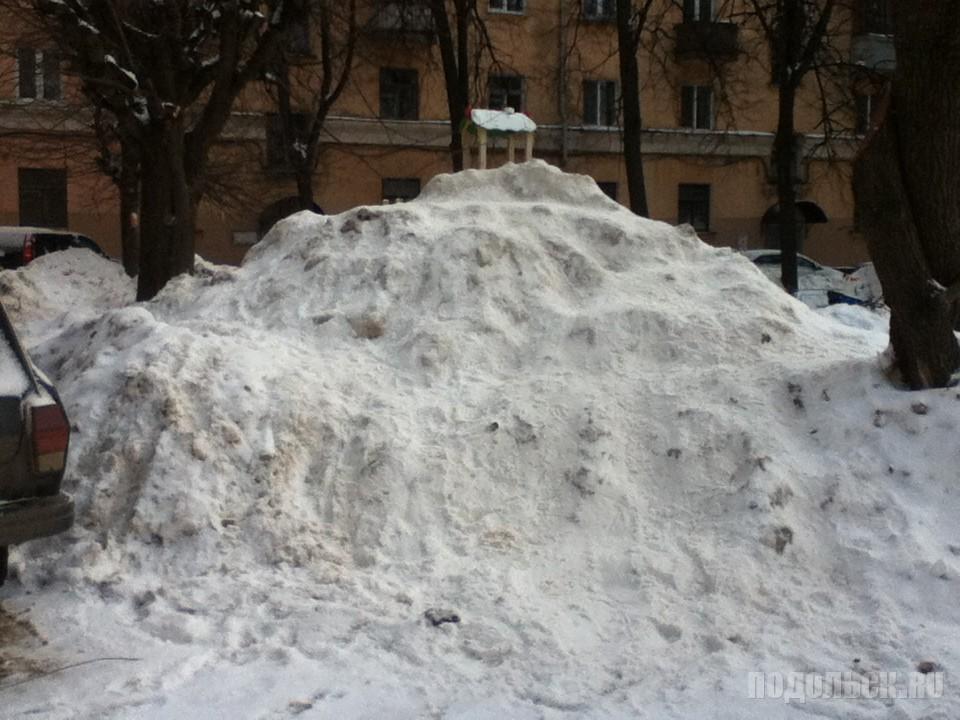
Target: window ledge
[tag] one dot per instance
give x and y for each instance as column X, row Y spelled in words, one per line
column 514, row 13
column 35, row 101
column 599, row 19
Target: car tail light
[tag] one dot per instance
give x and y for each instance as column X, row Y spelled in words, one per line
column 28, row 249
column 51, row 433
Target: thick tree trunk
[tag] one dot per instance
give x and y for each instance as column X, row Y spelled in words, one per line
column 454, row 60
column 785, row 158
column 129, row 182
column 632, row 120
column 456, row 140
column 907, row 194
column 167, row 213
column 305, row 188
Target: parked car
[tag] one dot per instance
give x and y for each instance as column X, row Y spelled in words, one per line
column 34, row 439
column 20, row 245
column 817, row 285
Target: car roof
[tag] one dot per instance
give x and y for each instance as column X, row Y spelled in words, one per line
column 35, row 229
column 19, row 230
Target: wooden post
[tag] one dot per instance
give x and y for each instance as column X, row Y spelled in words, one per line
column 529, row 149
column 510, row 147
column 482, row 139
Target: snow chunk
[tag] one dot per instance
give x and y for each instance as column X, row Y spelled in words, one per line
column 61, row 289
column 533, row 181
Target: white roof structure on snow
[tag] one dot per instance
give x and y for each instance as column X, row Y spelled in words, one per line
column 498, row 122
column 506, row 121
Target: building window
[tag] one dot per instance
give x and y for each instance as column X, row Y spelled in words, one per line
column 694, row 206
column 698, row 10
column 599, row 9
column 506, row 91
column 696, row 107
column 609, row 189
column 398, row 94
column 396, row 190
column 39, row 73
column 506, row 6
column 600, row 103
column 282, row 141
column 43, row 197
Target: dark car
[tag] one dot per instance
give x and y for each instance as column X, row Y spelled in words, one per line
column 20, row 245
column 34, row 438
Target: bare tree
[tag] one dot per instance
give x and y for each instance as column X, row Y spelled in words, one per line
column 908, row 199
column 631, row 23
column 117, row 159
column 306, row 86
column 169, row 72
column 799, row 37
column 463, row 41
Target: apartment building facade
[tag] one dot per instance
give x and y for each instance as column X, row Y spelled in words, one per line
column 709, row 113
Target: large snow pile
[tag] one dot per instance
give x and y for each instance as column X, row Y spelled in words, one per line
column 631, row 466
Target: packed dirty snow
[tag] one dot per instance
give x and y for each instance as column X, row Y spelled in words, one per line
column 60, row 288
column 507, row 451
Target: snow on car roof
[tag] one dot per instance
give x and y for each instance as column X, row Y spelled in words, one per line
column 13, row 378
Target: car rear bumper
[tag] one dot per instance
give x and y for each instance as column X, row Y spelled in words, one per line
column 22, row 520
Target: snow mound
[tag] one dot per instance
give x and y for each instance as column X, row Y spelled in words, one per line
column 60, row 288
column 631, row 466
column 535, row 181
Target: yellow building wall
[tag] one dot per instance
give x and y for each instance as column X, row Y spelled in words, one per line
column 352, row 167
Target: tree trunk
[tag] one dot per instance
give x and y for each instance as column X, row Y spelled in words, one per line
column 907, row 194
column 305, row 187
column 129, row 182
column 785, row 158
column 454, row 60
column 630, row 96
column 167, row 213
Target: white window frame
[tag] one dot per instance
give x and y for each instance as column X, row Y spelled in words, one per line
column 695, row 108
column 863, row 120
column 523, row 91
column 597, row 87
column 503, row 7
column 399, row 182
column 698, row 11
column 39, row 77
column 599, row 10
column 695, row 188
column 411, row 73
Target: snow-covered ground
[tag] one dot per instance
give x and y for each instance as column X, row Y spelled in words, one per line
column 632, row 468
